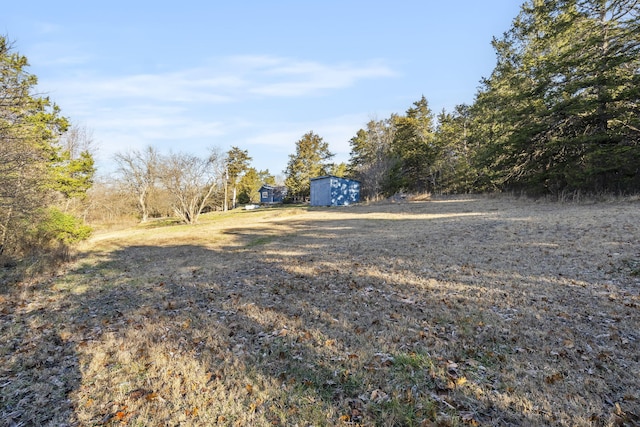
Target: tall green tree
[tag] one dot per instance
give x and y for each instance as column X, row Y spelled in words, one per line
column 74, row 176
column 312, row 158
column 34, row 167
column 561, row 109
column 237, row 163
column 414, row 148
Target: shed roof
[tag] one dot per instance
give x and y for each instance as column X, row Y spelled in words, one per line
column 333, row 176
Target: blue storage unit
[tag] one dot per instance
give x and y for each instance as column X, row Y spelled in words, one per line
column 272, row 194
column 334, row 191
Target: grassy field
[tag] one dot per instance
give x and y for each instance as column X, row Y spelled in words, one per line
column 450, row 312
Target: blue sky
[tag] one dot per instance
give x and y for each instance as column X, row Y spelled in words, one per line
column 186, row 76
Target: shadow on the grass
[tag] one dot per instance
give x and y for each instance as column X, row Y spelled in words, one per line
column 309, row 326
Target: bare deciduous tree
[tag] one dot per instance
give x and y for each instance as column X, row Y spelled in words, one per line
column 78, row 139
column 191, row 180
column 139, row 172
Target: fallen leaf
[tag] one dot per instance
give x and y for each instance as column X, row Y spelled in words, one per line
column 138, row 393
column 554, row 378
column 306, row 336
column 379, row 396
column 469, row 418
column 452, row 369
column 460, row 381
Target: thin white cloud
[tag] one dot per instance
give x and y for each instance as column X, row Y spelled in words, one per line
column 157, row 125
column 300, row 78
column 181, row 87
column 227, row 80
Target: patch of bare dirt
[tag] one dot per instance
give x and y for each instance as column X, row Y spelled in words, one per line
column 457, row 311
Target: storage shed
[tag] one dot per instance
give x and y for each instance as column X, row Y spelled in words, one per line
column 272, row 193
column 334, row 191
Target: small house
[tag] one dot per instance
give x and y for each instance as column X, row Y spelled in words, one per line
column 272, row 194
column 334, row 191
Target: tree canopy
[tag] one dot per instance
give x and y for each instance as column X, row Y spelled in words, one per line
column 561, row 109
column 36, row 171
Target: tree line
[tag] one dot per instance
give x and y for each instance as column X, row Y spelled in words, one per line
column 559, row 113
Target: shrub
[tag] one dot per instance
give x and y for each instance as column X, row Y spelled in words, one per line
column 60, row 227
column 50, row 232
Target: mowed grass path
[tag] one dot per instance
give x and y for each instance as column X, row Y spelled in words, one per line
column 459, row 311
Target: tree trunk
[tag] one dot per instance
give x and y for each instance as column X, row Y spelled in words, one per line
column 143, row 206
column 233, row 200
column 226, row 191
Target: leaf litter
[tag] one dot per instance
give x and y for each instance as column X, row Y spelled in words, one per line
column 476, row 311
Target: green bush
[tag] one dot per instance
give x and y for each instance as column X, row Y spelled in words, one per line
column 60, row 227
column 51, row 237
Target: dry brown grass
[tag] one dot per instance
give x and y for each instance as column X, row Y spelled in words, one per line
column 459, row 311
